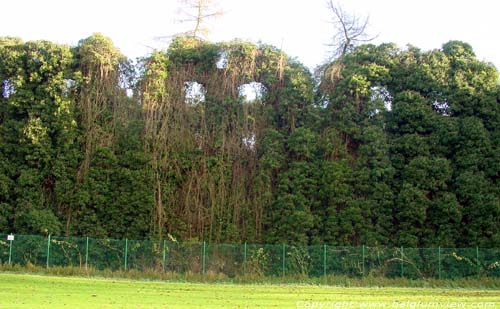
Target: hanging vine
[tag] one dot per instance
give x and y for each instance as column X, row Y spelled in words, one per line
column 206, row 155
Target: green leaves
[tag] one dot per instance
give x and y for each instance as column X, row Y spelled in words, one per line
column 38, row 222
column 439, row 125
column 392, row 147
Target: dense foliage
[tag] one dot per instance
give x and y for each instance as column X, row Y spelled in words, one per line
column 382, row 147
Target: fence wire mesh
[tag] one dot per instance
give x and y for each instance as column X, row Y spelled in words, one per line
column 249, row 259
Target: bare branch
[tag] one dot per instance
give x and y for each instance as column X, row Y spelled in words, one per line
column 198, row 12
column 350, row 30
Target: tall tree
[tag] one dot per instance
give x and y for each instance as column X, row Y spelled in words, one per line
column 38, row 135
column 349, row 29
column 198, row 13
column 400, row 147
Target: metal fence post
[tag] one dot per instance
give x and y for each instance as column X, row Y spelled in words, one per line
column 10, row 252
column 48, row 251
column 204, row 252
column 363, row 261
column 478, row 264
column 324, row 260
column 283, row 266
column 481, row 270
column 439, row 263
column 402, row 262
column 87, row 253
column 126, row 254
column 164, row 256
column 245, row 258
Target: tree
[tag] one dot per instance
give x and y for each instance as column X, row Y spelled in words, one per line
column 349, row 30
column 37, row 134
column 400, row 149
column 198, row 13
column 290, row 218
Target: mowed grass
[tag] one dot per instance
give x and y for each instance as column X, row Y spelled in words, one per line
column 33, row 291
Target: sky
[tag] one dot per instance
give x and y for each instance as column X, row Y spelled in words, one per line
column 299, row 27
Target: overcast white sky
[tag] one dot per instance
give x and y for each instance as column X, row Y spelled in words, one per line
column 299, row 26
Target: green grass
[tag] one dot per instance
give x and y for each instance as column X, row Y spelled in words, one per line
column 211, row 277
column 34, row 291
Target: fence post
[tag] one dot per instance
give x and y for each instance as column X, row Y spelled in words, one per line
column 204, row 252
column 324, row 260
column 10, row 252
column 283, row 266
column 478, row 264
column 439, row 262
column 245, row 258
column 164, row 256
column 363, row 266
column 126, row 254
column 87, row 253
column 402, row 262
column 48, row 251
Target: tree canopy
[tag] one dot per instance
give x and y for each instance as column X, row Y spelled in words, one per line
column 389, row 147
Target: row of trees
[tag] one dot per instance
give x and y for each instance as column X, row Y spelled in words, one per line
column 382, row 146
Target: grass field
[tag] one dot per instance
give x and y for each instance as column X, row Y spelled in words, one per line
column 32, row 291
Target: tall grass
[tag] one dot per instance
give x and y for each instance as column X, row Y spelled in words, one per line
column 213, row 277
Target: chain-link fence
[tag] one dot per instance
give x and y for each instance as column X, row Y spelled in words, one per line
column 249, row 259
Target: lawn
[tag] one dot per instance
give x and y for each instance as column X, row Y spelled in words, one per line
column 32, row 291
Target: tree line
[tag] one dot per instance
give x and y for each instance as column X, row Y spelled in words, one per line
column 382, row 146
